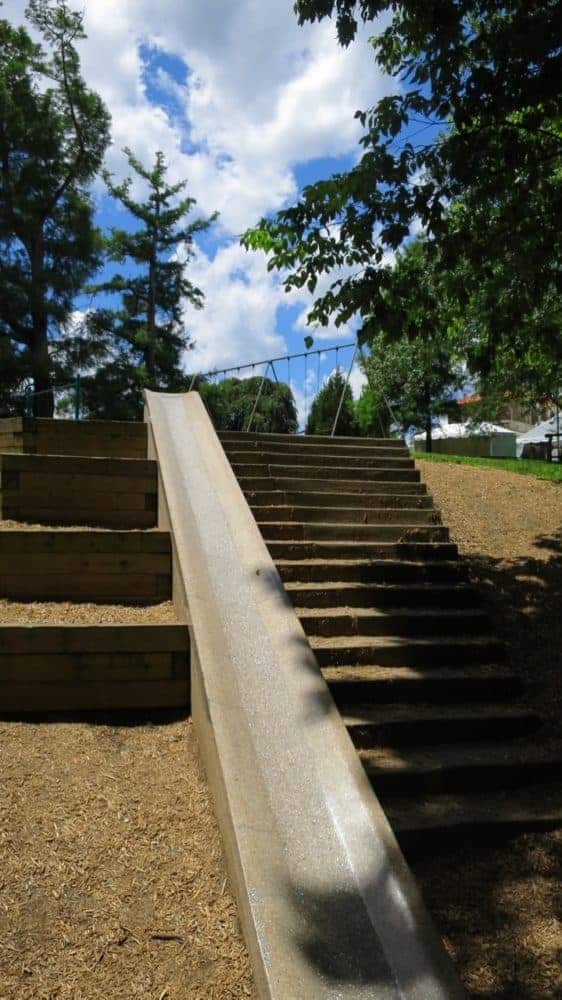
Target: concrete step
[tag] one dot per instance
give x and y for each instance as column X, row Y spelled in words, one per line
column 339, row 501
column 388, row 460
column 398, row 725
column 307, row 471
column 295, row 446
column 435, row 770
column 405, row 651
column 381, row 685
column 124, row 567
column 251, row 484
column 46, row 668
column 365, row 595
column 420, row 621
column 345, row 515
column 102, row 492
column 361, row 550
column 361, row 571
column 99, row 438
column 426, row 825
column 310, row 439
column 313, row 531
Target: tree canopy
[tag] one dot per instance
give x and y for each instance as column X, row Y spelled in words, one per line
column 231, row 403
column 482, row 81
column 53, row 135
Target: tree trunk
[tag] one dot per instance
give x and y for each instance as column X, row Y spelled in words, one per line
column 428, row 438
column 44, row 403
column 149, row 354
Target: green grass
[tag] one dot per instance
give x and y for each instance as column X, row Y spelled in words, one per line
column 524, row 466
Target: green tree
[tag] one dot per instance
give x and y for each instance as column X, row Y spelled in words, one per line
column 231, row 402
column 482, row 82
column 413, row 380
column 145, row 334
column 325, row 407
column 53, row 135
column 417, row 354
column 372, row 415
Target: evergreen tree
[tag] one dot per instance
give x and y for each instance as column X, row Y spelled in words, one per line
column 53, row 136
column 325, row 407
column 145, row 336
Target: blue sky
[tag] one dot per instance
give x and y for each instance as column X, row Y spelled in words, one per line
column 248, row 107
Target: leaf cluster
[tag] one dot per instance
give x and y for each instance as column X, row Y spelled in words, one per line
column 230, row 404
column 468, row 149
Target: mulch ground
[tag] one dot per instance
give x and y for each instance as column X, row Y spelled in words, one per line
column 112, row 882
column 499, row 908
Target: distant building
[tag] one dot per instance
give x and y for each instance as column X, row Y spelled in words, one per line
column 515, row 415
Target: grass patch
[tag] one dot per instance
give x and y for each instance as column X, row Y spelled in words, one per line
column 523, row 466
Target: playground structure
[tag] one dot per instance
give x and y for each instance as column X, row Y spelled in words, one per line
column 338, row 658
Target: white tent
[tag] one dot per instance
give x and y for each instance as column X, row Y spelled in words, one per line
column 447, row 430
column 537, row 434
column 482, row 440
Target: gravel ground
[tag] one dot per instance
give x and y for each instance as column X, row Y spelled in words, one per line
column 499, row 908
column 66, row 613
column 112, row 883
column 27, row 526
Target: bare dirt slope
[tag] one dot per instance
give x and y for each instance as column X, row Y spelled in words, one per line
column 499, row 908
column 112, row 883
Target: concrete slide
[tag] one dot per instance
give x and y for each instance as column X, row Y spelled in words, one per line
column 328, row 905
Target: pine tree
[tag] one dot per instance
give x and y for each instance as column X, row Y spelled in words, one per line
column 145, row 334
column 53, row 136
column 325, row 407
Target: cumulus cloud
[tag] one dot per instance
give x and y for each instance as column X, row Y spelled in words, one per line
column 261, row 97
column 238, row 322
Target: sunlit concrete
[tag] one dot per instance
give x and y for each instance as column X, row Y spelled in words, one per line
column 328, row 905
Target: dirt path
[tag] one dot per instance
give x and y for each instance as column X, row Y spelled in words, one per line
column 500, row 908
column 112, row 883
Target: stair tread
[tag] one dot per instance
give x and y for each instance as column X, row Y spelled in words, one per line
column 338, row 563
column 387, row 675
column 376, row 641
column 297, row 508
column 336, row 439
column 372, row 715
column 440, row 757
column 338, row 525
column 361, row 546
column 515, row 807
column 389, row 588
column 369, row 612
column 333, row 469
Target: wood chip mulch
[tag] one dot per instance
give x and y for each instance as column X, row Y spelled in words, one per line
column 499, row 908
column 112, row 883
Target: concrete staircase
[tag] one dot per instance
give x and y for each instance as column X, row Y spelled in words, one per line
column 400, row 635
column 95, row 474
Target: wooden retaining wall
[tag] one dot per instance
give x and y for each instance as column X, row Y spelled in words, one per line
column 94, row 438
column 125, row 567
column 99, row 667
column 102, row 492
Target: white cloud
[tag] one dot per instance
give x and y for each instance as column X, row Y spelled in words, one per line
column 357, row 380
column 238, row 323
column 262, row 96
